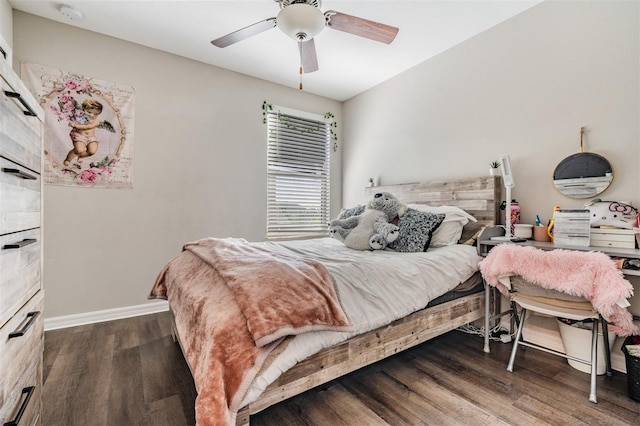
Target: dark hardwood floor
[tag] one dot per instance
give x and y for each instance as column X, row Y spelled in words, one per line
column 130, row 372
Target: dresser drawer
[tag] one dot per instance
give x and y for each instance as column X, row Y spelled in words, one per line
column 20, row 271
column 20, row 134
column 23, row 403
column 21, row 197
column 617, row 238
column 18, row 353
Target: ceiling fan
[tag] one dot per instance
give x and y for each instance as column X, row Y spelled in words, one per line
column 302, row 20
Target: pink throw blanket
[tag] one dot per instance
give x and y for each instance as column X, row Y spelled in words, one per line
column 591, row 275
column 233, row 303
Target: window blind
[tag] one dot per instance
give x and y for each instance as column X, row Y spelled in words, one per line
column 297, row 175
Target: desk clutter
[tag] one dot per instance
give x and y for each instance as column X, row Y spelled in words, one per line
column 613, row 224
column 572, row 227
column 609, row 224
column 599, row 224
column 618, row 238
column 613, row 214
column 624, row 263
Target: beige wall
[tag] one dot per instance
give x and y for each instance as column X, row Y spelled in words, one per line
column 523, row 88
column 199, row 170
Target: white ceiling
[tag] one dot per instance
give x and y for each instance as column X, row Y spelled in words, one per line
column 348, row 64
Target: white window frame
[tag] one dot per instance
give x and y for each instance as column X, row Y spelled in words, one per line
column 298, row 174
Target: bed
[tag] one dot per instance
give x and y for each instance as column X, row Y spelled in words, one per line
column 358, row 319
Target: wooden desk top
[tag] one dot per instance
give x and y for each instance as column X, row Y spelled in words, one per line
column 611, row 251
column 485, row 243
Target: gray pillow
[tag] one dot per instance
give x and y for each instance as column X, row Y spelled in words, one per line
column 415, row 231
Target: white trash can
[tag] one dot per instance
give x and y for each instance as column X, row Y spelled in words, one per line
column 576, row 339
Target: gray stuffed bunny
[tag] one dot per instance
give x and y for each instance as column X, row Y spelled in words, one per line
column 370, row 229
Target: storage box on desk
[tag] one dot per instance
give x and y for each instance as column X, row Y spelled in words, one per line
column 615, row 237
column 571, row 227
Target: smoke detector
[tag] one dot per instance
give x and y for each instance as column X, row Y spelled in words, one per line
column 70, row 12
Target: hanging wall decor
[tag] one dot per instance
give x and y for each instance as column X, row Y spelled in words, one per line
column 88, row 132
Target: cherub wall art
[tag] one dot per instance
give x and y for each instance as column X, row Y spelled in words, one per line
column 88, row 128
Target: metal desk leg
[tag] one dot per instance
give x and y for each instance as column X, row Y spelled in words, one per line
column 487, row 297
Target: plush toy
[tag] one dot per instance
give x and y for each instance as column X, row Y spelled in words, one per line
column 369, row 229
column 612, row 213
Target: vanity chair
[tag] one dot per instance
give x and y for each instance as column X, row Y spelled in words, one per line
column 576, row 283
column 527, row 297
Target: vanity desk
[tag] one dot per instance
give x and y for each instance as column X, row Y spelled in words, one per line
column 485, row 243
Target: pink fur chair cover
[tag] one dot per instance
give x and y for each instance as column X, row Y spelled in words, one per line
column 591, row 275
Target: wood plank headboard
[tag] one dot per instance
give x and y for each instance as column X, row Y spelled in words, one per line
column 480, row 197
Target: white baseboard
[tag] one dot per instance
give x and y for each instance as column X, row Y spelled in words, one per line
column 65, row 321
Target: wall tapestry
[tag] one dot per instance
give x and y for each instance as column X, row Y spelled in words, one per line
column 88, row 132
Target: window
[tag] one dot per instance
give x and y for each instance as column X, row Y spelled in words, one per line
column 297, row 174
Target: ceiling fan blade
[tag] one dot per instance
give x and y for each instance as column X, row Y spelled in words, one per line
column 308, row 58
column 361, row 27
column 244, row 33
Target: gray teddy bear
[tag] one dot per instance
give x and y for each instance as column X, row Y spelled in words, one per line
column 368, row 227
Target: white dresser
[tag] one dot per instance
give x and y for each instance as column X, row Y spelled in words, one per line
column 21, row 295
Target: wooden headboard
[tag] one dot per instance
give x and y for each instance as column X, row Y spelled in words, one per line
column 480, row 197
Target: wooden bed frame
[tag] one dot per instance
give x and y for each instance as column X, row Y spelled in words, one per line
column 481, row 197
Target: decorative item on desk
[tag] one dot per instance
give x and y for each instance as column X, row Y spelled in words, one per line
column 371, row 183
column 551, row 223
column 494, row 168
column 540, row 233
column 514, row 216
column 571, row 227
column 522, row 230
column 507, row 179
column 612, row 213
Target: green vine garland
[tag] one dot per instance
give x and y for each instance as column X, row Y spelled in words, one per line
column 332, row 127
column 267, row 108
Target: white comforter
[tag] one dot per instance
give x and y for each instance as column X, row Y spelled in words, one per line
column 375, row 288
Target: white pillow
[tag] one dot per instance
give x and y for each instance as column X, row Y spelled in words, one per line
column 450, row 231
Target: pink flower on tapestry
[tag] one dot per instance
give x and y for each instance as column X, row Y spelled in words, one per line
column 71, row 85
column 81, row 117
column 105, row 171
column 88, row 176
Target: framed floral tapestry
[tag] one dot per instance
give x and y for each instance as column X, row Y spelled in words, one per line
column 88, row 131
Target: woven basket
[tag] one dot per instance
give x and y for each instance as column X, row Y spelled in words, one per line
column 633, row 372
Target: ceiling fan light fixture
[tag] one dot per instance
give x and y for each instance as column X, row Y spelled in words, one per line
column 301, row 22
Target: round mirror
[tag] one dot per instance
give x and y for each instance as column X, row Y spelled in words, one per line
column 583, row 175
